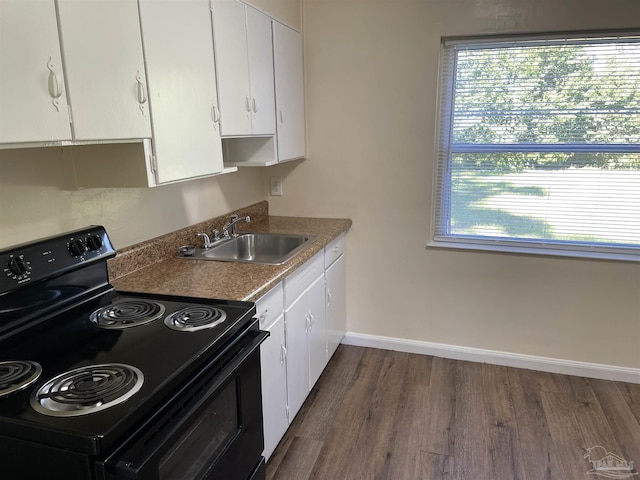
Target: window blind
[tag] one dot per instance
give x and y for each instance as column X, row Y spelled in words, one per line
column 539, row 144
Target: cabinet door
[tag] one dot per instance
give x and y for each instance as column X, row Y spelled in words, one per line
column 102, row 50
column 336, row 304
column 317, row 334
column 289, row 78
column 297, row 354
column 274, row 386
column 260, row 50
column 33, row 102
column 178, row 46
column 229, row 27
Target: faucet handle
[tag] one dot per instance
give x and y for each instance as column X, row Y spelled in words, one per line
column 207, row 240
column 216, row 235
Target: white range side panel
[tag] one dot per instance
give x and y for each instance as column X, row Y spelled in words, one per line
column 102, row 50
column 336, row 304
column 318, row 332
column 260, row 50
column 297, row 355
column 274, row 387
column 289, row 78
column 178, row 43
column 230, row 34
column 29, row 48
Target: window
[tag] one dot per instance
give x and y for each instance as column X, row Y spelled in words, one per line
column 539, row 146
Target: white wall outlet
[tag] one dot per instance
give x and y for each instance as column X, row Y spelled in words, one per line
column 276, row 186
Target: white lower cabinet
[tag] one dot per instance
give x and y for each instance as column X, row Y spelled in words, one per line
column 306, row 333
column 273, row 356
column 336, row 279
column 297, row 354
column 306, row 345
column 317, row 330
column 302, row 341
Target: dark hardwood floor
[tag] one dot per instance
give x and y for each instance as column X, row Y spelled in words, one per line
column 377, row 414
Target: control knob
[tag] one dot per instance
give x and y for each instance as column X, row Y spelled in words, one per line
column 76, row 247
column 94, row 242
column 17, row 265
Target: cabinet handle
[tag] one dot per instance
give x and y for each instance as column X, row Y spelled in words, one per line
column 281, row 116
column 247, row 104
column 336, row 249
column 153, row 164
column 142, row 94
column 54, row 85
column 329, row 298
column 312, row 320
column 216, row 114
column 283, row 354
column 263, row 315
column 255, row 105
column 307, row 321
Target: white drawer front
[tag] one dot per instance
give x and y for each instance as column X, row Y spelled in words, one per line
column 333, row 250
column 295, row 284
column 270, row 306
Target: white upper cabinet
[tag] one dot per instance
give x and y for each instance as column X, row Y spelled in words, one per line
column 244, row 59
column 33, row 101
column 105, row 73
column 289, row 78
column 178, row 44
column 260, row 51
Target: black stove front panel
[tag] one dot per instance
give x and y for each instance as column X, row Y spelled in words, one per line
column 49, row 275
column 166, row 357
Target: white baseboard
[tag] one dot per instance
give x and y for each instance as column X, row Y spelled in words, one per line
column 508, row 359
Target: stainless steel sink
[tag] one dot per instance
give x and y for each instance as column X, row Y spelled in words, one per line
column 269, row 248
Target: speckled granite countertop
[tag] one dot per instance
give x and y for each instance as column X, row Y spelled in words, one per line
column 151, row 267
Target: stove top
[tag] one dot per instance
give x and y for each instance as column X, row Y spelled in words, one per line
column 70, row 345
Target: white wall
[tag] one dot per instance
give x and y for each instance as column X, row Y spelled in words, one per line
column 371, row 75
column 36, row 200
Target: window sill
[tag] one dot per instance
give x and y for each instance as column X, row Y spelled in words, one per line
column 552, row 251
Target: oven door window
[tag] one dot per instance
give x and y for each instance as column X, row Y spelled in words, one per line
column 197, row 449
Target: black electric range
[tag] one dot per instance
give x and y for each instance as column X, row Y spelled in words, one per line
column 96, row 383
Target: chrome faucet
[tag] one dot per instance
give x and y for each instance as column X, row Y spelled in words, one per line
column 233, row 225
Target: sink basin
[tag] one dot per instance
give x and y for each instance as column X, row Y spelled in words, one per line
column 269, row 248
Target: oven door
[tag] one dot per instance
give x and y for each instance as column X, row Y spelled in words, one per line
column 211, row 430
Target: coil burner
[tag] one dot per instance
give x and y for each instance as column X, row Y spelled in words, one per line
column 196, row 317
column 87, row 390
column 17, row 375
column 126, row 314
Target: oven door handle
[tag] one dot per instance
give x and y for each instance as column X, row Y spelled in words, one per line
column 136, row 468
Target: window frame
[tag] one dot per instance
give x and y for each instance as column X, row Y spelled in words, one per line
column 441, row 188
